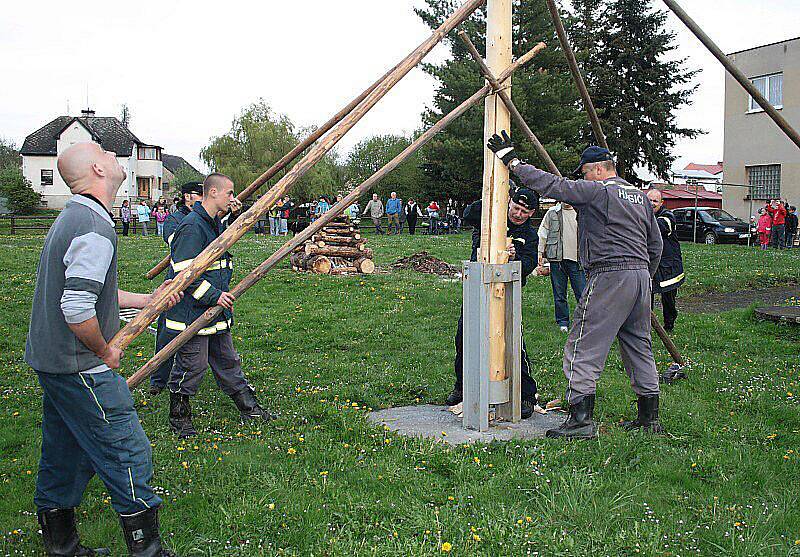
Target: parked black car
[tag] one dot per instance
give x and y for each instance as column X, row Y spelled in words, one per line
column 713, row 226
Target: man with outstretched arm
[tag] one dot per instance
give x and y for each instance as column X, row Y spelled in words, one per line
column 620, row 247
column 522, row 204
column 213, row 345
column 89, row 424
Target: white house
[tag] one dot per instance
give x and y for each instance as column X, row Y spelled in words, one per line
column 141, row 161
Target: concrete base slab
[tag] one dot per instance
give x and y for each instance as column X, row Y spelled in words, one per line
column 437, row 422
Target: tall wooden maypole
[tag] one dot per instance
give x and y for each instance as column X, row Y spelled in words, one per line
column 494, row 231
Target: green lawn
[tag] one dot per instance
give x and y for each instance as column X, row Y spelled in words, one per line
column 322, row 481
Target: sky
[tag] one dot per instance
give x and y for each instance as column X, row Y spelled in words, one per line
column 186, row 69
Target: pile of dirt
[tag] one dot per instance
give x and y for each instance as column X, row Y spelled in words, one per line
column 716, row 302
column 423, row 262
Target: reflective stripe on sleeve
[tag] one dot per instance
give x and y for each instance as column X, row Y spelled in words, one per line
column 200, row 290
column 672, row 281
column 669, row 223
column 169, row 240
column 174, row 325
column 181, row 265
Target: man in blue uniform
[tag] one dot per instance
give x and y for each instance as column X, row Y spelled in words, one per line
column 191, row 192
column 89, row 424
column 620, row 247
column 669, row 276
column 522, row 204
column 213, row 345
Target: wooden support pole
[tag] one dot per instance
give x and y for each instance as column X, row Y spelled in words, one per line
column 247, row 219
column 735, row 72
column 494, row 218
column 668, row 344
column 576, row 74
column 339, row 208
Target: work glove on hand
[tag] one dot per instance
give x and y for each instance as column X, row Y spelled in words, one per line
column 502, row 147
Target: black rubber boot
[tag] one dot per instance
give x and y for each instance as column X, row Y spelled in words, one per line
column 180, row 415
column 647, row 420
column 142, row 536
column 456, row 396
column 60, row 535
column 579, row 424
column 249, row 407
column 155, row 390
column 527, row 408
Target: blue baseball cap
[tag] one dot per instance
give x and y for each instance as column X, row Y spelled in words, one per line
column 593, row 153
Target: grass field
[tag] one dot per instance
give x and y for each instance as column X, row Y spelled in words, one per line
column 322, row 481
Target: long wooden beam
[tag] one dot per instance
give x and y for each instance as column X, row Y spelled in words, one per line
column 288, row 247
column 284, row 161
column 735, row 72
column 576, row 74
column 247, row 219
column 662, row 334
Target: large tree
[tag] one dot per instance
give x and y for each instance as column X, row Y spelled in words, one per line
column 258, row 138
column 9, row 154
column 636, row 81
column 369, row 155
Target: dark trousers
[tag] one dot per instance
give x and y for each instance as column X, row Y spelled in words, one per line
column 668, row 304
column 163, row 337
column 89, row 425
column 529, row 389
column 378, row 228
column 412, row 225
column 778, row 238
column 125, row 227
column 789, row 238
column 197, row 355
column 562, row 272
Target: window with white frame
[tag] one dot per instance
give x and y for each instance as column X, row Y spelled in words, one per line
column 47, row 177
column 771, row 86
column 767, row 181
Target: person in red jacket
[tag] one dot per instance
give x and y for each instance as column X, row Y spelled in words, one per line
column 764, row 227
column 777, row 210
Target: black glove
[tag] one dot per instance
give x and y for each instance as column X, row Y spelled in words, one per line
column 502, row 147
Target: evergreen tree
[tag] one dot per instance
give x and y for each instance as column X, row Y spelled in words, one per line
column 635, row 81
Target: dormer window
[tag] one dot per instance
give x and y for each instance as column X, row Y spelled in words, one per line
column 149, row 153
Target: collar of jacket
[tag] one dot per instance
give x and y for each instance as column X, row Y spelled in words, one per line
column 185, row 209
column 201, row 211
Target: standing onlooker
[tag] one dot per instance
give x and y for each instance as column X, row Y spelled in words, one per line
column 777, row 210
column 669, row 276
column 174, row 205
column 160, row 214
column 354, row 211
column 285, row 213
column 375, row 209
column 558, row 244
column 433, row 217
column 322, row 207
column 125, row 217
column 143, row 215
column 764, row 228
column 275, row 219
column 393, row 208
column 412, row 211
column 791, row 226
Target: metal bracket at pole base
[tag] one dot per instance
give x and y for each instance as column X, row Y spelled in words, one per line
column 479, row 392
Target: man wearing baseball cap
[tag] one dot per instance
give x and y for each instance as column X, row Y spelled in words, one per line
column 522, row 204
column 190, row 192
column 620, row 247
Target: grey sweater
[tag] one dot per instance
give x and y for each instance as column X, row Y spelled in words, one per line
column 76, row 280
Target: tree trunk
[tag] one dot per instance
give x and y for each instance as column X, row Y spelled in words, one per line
column 337, row 251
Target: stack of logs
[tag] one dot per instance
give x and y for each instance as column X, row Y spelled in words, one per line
column 336, row 250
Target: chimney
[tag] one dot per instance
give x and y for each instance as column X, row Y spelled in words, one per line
column 87, row 112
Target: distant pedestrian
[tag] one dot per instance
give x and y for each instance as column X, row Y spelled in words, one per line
column 174, row 205
column 777, row 210
column 125, row 217
column 433, row 217
column 160, row 214
column 375, row 210
column 285, row 213
column 274, row 220
column 394, row 207
column 322, row 207
column 791, row 226
column 354, row 211
column 412, row 212
column 143, row 215
column 764, row 228
column 669, row 276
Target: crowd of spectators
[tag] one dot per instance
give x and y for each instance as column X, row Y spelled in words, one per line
column 777, row 225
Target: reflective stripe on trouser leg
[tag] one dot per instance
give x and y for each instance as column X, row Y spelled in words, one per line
column 579, row 327
column 635, row 345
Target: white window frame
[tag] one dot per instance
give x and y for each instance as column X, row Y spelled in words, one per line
column 752, row 105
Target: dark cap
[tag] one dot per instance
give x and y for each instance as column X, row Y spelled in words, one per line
column 593, row 153
column 192, row 187
column 525, row 197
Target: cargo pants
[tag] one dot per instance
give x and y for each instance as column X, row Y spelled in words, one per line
column 163, row 337
column 89, row 426
column 202, row 351
column 615, row 304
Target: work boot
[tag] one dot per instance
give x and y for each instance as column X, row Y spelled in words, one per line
column 673, row 373
column 155, row 390
column 647, row 420
column 456, row 396
column 579, row 424
column 527, row 408
column 248, row 406
column 60, row 535
column 142, row 536
column 180, row 415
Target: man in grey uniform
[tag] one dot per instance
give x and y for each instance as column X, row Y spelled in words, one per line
column 89, row 424
column 620, row 247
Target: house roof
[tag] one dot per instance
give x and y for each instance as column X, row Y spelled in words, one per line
column 686, row 192
column 174, row 162
column 710, row 168
column 106, row 130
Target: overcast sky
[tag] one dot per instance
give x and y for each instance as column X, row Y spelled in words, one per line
column 186, row 68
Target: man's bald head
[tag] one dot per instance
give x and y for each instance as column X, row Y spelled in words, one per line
column 87, row 168
column 656, row 198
